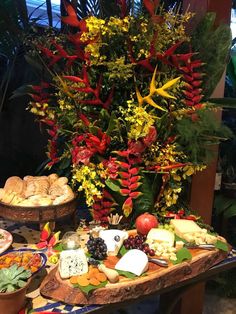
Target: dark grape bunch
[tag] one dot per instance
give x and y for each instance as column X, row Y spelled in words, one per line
column 97, row 248
column 138, row 242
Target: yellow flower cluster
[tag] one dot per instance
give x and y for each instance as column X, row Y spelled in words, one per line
column 41, row 110
column 163, row 156
column 189, row 170
column 119, row 70
column 116, row 24
column 95, row 28
column 172, row 30
column 171, row 196
column 89, row 178
column 139, row 120
column 173, row 188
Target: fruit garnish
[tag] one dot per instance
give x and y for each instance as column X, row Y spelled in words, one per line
column 145, row 222
column 97, row 248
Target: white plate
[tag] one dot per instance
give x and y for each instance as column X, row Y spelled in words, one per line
column 5, row 240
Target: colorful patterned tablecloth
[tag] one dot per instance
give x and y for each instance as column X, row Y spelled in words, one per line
column 25, row 236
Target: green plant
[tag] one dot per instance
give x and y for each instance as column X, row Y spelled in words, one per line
column 13, row 278
column 225, row 206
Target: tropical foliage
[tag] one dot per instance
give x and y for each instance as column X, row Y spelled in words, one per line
column 124, row 103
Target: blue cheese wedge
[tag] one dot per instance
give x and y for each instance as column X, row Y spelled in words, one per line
column 134, row 261
column 72, row 263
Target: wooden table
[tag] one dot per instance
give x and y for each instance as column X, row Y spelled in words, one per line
column 25, row 235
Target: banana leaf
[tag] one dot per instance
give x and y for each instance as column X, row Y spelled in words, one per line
column 223, row 102
column 213, row 44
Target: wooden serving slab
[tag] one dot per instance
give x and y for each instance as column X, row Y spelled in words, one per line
column 157, row 278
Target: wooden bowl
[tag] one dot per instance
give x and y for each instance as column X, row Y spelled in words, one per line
column 39, row 214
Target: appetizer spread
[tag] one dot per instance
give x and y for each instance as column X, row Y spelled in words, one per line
column 112, row 254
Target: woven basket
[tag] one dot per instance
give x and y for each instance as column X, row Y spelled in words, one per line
column 39, row 214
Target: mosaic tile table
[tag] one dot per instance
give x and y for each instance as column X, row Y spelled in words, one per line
column 25, row 235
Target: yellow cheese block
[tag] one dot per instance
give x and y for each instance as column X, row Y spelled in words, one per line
column 161, row 235
column 184, row 226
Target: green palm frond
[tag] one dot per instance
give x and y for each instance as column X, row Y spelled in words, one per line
column 213, row 44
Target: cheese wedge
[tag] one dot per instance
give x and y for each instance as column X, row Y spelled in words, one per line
column 72, row 263
column 161, row 235
column 185, row 226
column 134, row 261
column 114, row 239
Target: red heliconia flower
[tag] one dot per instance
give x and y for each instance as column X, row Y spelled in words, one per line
column 97, row 143
column 151, row 137
column 112, row 167
column 102, row 207
column 81, row 154
column 52, row 152
column 123, row 7
column 191, row 217
column 136, row 147
column 48, row 239
column 72, row 18
column 127, row 206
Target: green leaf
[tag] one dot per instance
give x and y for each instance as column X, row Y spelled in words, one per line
column 126, row 274
column 90, row 288
column 150, row 186
column 122, row 250
column 182, row 254
column 231, row 211
column 58, row 247
column 222, row 203
column 221, row 246
column 177, row 238
column 112, row 185
column 223, row 102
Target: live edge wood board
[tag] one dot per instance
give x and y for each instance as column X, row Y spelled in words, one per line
column 157, row 278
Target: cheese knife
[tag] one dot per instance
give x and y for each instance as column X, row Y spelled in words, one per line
column 200, row 246
column 158, row 261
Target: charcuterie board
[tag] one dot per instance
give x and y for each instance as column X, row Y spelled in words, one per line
column 155, row 279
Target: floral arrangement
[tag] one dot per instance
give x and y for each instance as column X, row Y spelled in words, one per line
column 123, row 101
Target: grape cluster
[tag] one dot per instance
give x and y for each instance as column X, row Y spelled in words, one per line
column 138, row 242
column 167, row 227
column 97, row 248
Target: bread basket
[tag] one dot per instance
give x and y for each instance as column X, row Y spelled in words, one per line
column 39, row 214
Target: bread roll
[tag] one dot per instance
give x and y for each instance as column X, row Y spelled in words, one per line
column 14, row 184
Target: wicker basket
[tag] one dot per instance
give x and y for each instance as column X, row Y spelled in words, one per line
column 39, row 214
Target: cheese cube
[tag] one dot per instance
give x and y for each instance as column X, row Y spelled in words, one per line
column 134, row 261
column 184, row 227
column 161, row 235
column 72, row 263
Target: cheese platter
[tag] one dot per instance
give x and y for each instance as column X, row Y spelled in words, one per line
column 119, row 265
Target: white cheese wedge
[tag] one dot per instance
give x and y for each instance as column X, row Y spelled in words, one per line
column 114, row 239
column 134, row 261
column 185, row 226
column 72, row 263
column 161, row 235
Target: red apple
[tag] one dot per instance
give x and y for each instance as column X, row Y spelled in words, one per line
column 145, row 222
